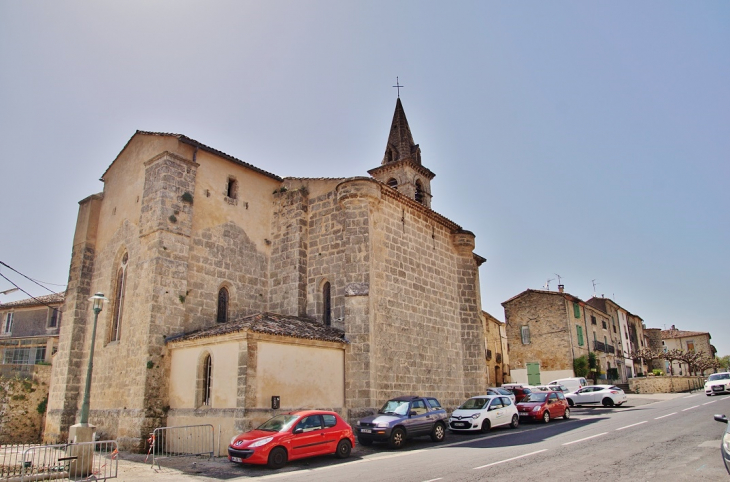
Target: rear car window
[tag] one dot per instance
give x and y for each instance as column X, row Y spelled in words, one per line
column 329, row 420
column 433, row 403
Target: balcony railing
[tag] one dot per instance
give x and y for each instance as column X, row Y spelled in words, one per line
column 600, row 346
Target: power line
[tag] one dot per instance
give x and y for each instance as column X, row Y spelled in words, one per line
column 21, row 289
column 27, row 277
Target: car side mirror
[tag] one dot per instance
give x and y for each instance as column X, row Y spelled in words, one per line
column 298, row 430
column 721, row 418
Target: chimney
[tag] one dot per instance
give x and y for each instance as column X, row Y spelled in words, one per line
column 561, row 288
column 672, row 328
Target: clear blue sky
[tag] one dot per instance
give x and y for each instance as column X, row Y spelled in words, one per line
column 585, row 139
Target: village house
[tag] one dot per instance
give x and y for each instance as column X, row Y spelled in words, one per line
column 497, row 356
column 29, row 334
column 687, row 341
column 548, row 330
column 234, row 291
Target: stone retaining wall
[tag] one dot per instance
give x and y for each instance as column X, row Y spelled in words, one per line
column 23, row 407
column 664, row 384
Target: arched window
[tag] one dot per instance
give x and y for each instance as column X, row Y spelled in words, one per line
column 115, row 333
column 419, row 192
column 326, row 304
column 222, row 315
column 393, row 183
column 207, row 381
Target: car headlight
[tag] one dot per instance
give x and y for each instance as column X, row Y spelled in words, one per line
column 536, row 409
column 726, row 442
column 233, row 439
column 261, row 441
column 358, row 423
column 381, row 425
column 476, row 416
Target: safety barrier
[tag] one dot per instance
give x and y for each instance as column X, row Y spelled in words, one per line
column 84, row 461
column 187, row 440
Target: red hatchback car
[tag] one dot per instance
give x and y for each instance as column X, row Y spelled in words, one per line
column 292, row 436
column 544, row 406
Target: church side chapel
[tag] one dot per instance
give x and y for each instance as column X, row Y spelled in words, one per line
column 230, row 285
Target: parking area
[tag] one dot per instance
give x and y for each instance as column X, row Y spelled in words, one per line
column 132, row 467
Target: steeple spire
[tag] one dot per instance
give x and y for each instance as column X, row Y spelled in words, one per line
column 400, row 146
column 401, row 168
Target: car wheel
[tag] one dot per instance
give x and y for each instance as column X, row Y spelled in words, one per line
column 546, row 416
column 277, row 458
column 515, row 421
column 486, row 426
column 571, row 402
column 566, row 415
column 439, row 432
column 364, row 442
column 607, row 402
column 397, row 438
column 343, row 449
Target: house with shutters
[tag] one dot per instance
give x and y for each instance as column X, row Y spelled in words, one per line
column 547, row 330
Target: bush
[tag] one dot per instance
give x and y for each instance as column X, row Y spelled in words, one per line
column 657, row 372
column 580, row 366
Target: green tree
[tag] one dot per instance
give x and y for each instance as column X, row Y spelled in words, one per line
column 580, row 366
column 724, row 362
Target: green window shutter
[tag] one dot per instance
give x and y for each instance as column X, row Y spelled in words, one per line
column 576, row 310
column 580, row 334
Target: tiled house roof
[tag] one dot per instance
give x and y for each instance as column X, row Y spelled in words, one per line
column 674, row 333
column 51, row 299
column 270, row 324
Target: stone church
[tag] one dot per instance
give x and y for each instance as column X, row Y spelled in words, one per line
column 230, row 286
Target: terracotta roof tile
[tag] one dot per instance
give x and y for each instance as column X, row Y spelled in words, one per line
column 666, row 334
column 271, row 324
column 37, row 301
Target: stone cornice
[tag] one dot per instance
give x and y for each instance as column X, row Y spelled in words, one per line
column 171, row 155
column 393, row 166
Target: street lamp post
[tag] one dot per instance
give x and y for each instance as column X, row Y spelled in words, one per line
column 98, row 303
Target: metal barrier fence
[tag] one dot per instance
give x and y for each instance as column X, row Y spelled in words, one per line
column 85, row 461
column 181, row 441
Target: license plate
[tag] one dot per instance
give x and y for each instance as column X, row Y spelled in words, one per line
column 366, row 430
column 459, row 424
column 236, row 459
column 524, row 413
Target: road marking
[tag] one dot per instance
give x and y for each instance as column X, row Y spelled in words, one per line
column 632, row 425
column 587, row 438
column 690, row 408
column 667, row 415
column 691, row 396
column 709, row 402
column 433, row 480
column 510, row 460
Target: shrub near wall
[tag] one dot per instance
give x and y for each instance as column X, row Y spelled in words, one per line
column 665, row 384
column 23, row 407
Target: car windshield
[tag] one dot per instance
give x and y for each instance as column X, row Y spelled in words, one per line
column 719, row 376
column 279, row 423
column 474, row 404
column 536, row 397
column 397, row 407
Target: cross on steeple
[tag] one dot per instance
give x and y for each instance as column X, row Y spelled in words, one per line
column 398, row 86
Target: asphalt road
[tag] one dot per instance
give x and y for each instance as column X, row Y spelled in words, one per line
column 670, row 440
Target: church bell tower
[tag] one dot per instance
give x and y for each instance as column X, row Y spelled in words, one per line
column 401, row 167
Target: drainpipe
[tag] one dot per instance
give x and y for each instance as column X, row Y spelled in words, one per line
column 570, row 332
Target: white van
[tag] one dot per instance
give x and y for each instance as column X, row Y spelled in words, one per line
column 572, row 384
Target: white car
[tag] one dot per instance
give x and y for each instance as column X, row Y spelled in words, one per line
column 551, row 388
column 608, row 395
column 484, row 412
column 717, row 383
column 501, row 392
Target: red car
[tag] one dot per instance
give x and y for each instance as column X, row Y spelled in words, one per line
column 544, row 406
column 292, row 436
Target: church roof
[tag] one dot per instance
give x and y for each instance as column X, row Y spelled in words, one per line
column 400, row 145
column 44, row 300
column 199, row 145
column 270, row 324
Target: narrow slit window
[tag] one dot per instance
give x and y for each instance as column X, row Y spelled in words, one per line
column 222, row 315
column 327, row 304
column 115, row 333
column 232, row 188
column 207, row 380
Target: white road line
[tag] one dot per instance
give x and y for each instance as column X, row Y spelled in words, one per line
column 667, row 415
column 510, row 460
column 433, row 480
column 690, row 408
column 709, row 402
column 587, row 438
column 632, row 425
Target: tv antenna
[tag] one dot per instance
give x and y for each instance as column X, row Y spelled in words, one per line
column 547, row 284
column 594, row 287
column 559, row 278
